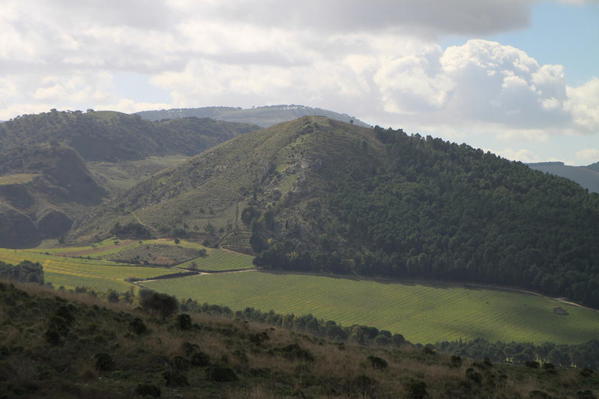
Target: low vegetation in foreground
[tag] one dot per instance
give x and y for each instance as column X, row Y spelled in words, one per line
column 88, row 348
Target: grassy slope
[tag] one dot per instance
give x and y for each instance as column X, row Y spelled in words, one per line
column 421, row 313
column 214, row 187
column 32, row 367
column 120, row 176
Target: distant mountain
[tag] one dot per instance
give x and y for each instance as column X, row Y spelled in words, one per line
column 265, row 116
column 586, row 176
column 319, row 195
column 113, row 136
column 594, row 166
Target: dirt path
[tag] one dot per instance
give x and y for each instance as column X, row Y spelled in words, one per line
column 187, row 273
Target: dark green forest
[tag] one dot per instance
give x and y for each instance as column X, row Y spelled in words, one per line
column 443, row 211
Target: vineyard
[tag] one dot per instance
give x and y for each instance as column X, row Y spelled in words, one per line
column 422, row 313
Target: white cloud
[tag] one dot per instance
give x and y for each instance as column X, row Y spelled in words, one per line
column 583, row 104
column 379, row 60
column 588, row 155
column 522, row 155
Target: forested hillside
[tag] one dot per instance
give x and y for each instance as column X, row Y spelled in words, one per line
column 320, row 195
column 113, row 136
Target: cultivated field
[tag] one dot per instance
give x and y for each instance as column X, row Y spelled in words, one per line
column 100, row 275
column 91, row 266
column 421, row 313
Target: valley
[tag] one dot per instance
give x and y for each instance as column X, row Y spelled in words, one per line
column 422, row 312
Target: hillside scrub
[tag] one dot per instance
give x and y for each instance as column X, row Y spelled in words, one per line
column 86, row 349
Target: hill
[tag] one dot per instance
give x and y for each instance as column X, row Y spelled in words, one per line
column 586, row 176
column 319, row 195
column 45, row 162
column 89, row 348
column 113, row 136
column 42, row 190
column 265, row 116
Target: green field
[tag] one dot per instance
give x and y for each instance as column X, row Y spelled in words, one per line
column 86, row 266
column 216, row 260
column 72, row 272
column 421, row 313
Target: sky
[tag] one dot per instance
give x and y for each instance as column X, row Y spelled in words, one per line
column 516, row 77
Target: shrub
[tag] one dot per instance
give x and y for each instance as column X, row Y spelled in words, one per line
column 416, row 390
column 180, row 363
column 456, row 361
column 586, row 372
column 104, row 362
column 137, row 326
column 220, row 374
column 474, row 376
column 175, row 378
column 295, row 352
column 377, row 362
column 162, row 304
column 532, row 364
column 585, row 395
column 200, row 359
column 184, row 322
column 148, row 390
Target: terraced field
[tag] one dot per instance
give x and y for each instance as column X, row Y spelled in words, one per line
column 72, row 272
column 88, row 266
column 215, row 260
column 421, row 313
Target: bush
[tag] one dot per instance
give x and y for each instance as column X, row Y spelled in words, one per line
column 532, row 364
column 377, row 362
column 184, row 322
column 148, row 390
column 220, row 374
column 174, row 378
column 137, row 326
column 162, row 304
column 200, row 359
column 416, row 390
column 104, row 362
column 474, row 376
column 456, row 361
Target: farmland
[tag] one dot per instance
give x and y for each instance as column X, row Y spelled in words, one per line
column 72, row 272
column 91, row 266
column 422, row 313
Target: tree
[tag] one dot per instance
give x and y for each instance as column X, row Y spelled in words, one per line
column 161, row 304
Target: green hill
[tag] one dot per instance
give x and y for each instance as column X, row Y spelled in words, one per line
column 586, row 176
column 113, row 136
column 264, row 116
column 320, row 195
column 45, row 162
column 66, row 345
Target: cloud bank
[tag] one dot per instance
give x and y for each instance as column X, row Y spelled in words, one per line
column 379, row 60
